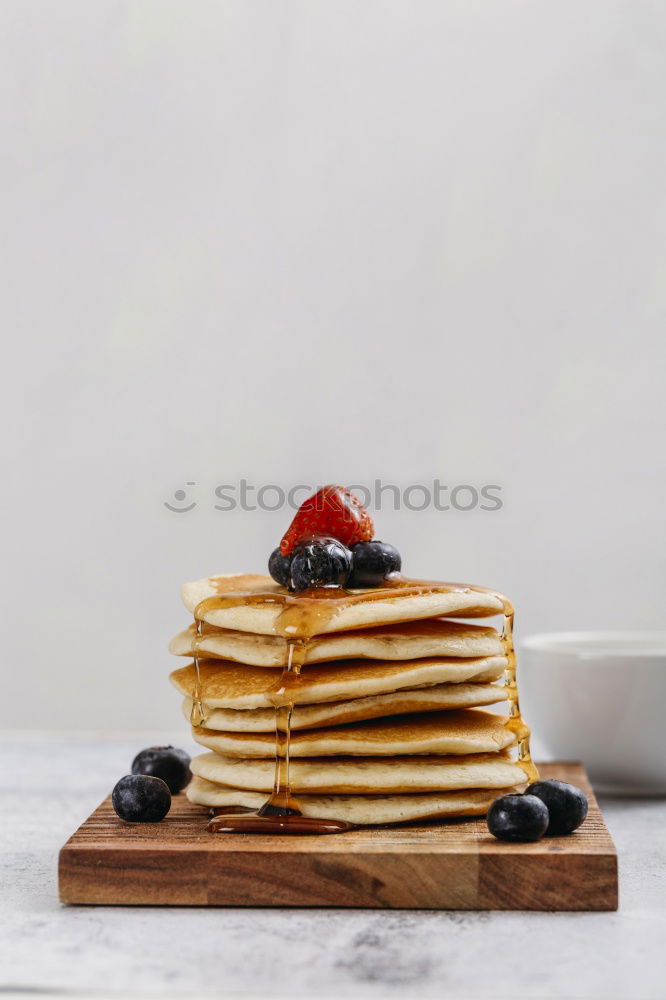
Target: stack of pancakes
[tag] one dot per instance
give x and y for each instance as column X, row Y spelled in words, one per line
column 387, row 722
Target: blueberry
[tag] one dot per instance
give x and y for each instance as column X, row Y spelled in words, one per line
column 167, row 763
column 278, row 567
column 518, row 817
column 320, row 562
column 141, row 798
column 567, row 805
column 372, row 563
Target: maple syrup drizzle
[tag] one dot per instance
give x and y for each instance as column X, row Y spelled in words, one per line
column 281, row 813
column 515, row 722
column 302, row 616
column 197, row 712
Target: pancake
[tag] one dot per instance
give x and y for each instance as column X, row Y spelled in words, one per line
column 357, row 809
column 406, row 641
column 335, row 713
column 370, row 775
column 257, row 604
column 225, row 684
column 467, row 732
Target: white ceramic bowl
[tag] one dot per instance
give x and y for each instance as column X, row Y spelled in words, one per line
column 600, row 697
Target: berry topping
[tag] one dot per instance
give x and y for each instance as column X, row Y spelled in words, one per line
column 332, row 511
column 372, row 563
column 278, row 567
column 320, row 562
column 518, row 818
column 567, row 805
column 141, row 798
column 167, row 763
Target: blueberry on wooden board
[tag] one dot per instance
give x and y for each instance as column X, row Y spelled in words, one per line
column 141, row 798
column 567, row 805
column 518, row 818
column 168, row 763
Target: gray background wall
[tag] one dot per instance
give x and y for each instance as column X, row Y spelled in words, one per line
column 305, row 242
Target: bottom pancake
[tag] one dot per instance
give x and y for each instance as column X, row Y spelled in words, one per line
column 361, row 810
column 366, row 775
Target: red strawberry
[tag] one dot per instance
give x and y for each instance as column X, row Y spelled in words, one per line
column 333, row 511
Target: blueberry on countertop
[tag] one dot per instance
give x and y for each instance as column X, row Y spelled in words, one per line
column 141, row 798
column 320, row 562
column 567, row 805
column 167, row 763
column 518, row 818
column 372, row 563
column 278, row 567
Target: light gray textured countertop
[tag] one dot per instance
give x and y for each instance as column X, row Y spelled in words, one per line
column 50, row 786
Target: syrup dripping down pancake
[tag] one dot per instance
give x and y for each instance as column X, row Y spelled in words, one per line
column 366, row 775
column 361, row 810
column 225, row 684
column 335, row 713
column 466, row 732
column 255, row 603
column 405, row 641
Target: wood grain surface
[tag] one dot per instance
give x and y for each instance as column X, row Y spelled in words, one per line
column 455, row 864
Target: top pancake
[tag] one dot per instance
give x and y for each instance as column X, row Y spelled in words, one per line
column 403, row 641
column 255, row 603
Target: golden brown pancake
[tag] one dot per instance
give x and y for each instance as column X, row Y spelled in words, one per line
column 404, row 641
column 225, row 684
column 365, row 775
column 255, row 603
column 357, row 809
column 336, row 713
column 466, row 732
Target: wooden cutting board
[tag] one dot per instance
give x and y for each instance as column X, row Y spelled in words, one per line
column 451, row 865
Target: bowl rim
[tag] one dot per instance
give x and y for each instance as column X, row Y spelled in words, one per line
column 639, row 643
